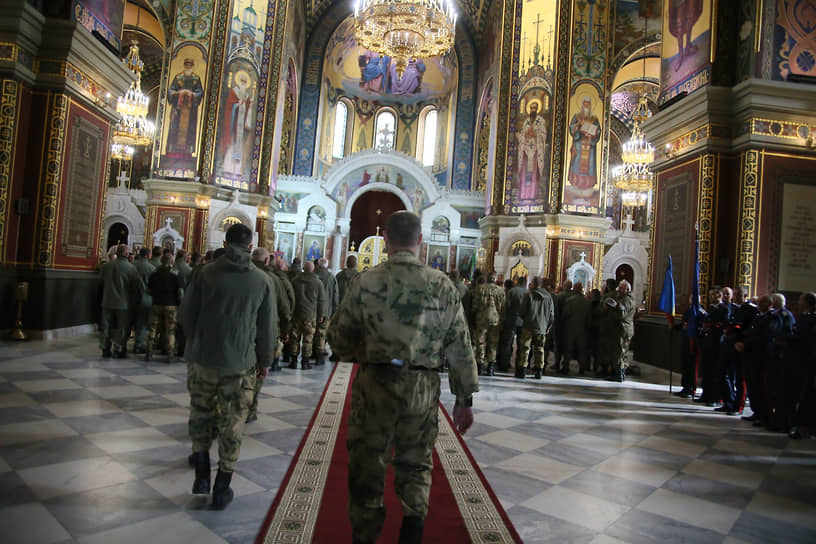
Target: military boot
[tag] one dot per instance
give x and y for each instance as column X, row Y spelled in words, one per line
column 147, row 355
column 480, row 369
column 201, row 461
column 538, row 373
column 305, row 363
column 275, row 365
column 491, row 369
column 520, row 372
column 222, row 493
column 292, row 362
column 411, row 530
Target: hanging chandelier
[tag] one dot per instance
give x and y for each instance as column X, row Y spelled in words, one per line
column 121, row 152
column 634, row 178
column 405, row 29
column 133, row 127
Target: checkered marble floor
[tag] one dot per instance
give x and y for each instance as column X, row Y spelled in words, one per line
column 94, row 451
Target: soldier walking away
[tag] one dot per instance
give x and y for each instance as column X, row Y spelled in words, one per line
column 488, row 309
column 310, row 310
column 165, row 288
column 122, row 293
column 319, row 351
column 537, row 319
column 399, row 320
column 225, row 360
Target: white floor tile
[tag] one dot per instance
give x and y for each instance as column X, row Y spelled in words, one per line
column 74, row 477
column 724, row 473
column 34, row 431
column 39, row 386
column 786, row 510
column 266, row 423
column 513, row 440
column 497, row 420
column 541, row 468
column 677, row 447
column 142, row 438
column 691, row 510
column 253, row 449
column 594, row 443
column 566, row 423
column 170, row 529
column 85, row 373
column 182, row 399
column 636, row 471
column 164, row 416
column 740, row 447
column 30, row 523
column 121, row 391
column 275, row 405
column 150, row 379
column 79, row 408
column 282, row 391
column 605, row 539
column 578, row 508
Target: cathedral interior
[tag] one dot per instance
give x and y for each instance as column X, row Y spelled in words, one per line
column 164, row 122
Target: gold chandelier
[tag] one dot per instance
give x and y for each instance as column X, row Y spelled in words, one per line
column 634, row 178
column 133, row 127
column 405, row 29
column 121, row 152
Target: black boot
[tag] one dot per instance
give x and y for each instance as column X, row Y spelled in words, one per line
column 221, row 493
column 480, row 369
column 538, row 373
column 304, row 364
column 275, row 365
column 520, row 372
column 491, row 369
column 292, row 362
column 320, row 360
column 201, row 461
column 411, row 530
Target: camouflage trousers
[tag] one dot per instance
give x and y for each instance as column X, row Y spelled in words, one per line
column 165, row 317
column 210, row 393
column 319, row 344
column 253, row 405
column 486, row 342
column 393, row 413
column 141, row 324
column 115, row 326
column 302, row 329
column 534, row 341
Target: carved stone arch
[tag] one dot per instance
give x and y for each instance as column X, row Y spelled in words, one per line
column 630, row 252
column 231, row 211
column 504, row 247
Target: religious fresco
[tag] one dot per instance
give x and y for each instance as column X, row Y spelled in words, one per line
column 235, row 162
column 686, row 56
column 438, row 257
column 469, row 218
column 483, row 180
column 440, row 229
column 103, row 16
column 582, row 189
column 287, row 136
column 589, row 39
column 356, row 71
column 285, row 246
column 795, row 39
column 379, row 174
column 289, row 201
column 466, row 261
column 629, row 16
column 314, row 247
column 183, row 113
column 528, row 177
column 193, row 22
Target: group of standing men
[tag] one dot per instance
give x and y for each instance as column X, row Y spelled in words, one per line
column 594, row 329
column 757, row 350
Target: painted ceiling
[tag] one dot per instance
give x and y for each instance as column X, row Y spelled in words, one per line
column 471, row 12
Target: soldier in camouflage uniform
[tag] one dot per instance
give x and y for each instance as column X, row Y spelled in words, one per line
column 280, row 272
column 319, row 352
column 165, row 288
column 145, row 270
column 345, row 277
column 121, row 293
column 627, row 308
column 488, row 309
column 537, row 318
column 398, row 320
column 576, row 319
column 310, row 309
column 224, row 360
column 260, row 258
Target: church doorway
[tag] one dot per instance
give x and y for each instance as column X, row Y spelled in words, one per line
column 369, row 213
column 117, row 234
column 625, row 272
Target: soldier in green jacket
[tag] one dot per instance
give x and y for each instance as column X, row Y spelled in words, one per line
column 537, row 317
column 310, row 310
column 145, row 270
column 319, row 351
column 398, row 320
column 576, row 319
column 488, row 310
column 279, row 269
column 229, row 314
column 122, row 293
column 345, row 276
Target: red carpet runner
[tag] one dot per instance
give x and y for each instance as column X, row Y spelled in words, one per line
column 311, row 504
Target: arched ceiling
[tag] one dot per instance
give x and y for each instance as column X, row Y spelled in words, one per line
column 471, row 12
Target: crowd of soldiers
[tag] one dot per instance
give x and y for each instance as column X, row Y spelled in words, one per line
column 738, row 349
column 533, row 320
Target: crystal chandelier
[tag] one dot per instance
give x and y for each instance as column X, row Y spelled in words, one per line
column 121, row 152
column 133, row 128
column 405, row 29
column 633, row 177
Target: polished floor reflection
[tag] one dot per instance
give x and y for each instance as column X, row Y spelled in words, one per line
column 94, row 451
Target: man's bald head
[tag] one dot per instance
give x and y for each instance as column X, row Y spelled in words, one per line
column 260, row 254
column 308, row 266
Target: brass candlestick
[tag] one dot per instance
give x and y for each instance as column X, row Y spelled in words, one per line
column 21, row 295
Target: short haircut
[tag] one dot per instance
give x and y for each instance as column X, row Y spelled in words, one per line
column 121, row 250
column 166, row 259
column 626, row 284
column 157, row 251
column 180, row 254
column 611, row 284
column 481, row 280
column 810, row 300
column 520, row 280
column 260, row 254
column 210, row 255
column 167, row 251
column 778, row 298
column 308, row 266
column 492, row 277
column 535, row 282
column 508, row 283
column 351, row 261
column 239, row 234
column 195, row 258
column 323, row 262
column 144, row 253
column 403, row 229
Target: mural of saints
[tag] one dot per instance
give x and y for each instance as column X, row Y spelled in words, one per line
column 585, row 130
column 682, row 16
column 238, row 125
column 532, row 141
column 184, row 97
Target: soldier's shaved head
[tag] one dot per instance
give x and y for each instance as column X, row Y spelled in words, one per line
column 308, row 266
column 403, row 230
column 260, row 254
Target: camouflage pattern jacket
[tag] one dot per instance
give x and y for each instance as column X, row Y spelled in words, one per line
column 403, row 312
column 488, row 305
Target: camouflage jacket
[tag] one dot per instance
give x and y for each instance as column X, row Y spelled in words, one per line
column 403, row 312
column 488, row 304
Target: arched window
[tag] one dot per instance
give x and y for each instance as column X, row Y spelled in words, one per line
column 427, row 151
column 385, row 130
column 339, row 139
